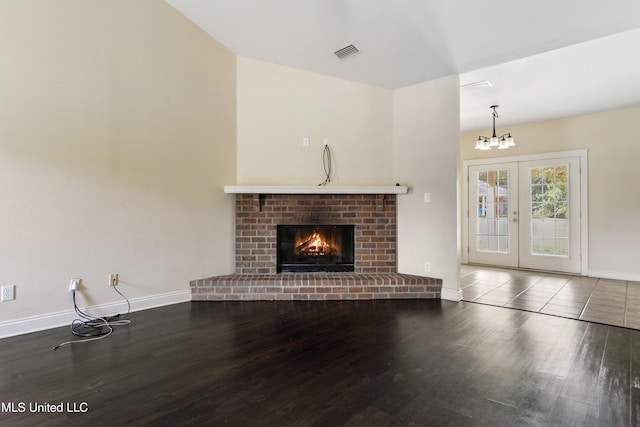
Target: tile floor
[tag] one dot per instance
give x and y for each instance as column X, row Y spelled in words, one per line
column 612, row 302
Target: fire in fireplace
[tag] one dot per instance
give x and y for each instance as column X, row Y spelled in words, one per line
column 311, row 248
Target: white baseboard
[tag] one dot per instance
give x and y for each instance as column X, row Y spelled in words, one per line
column 451, row 294
column 615, row 275
column 54, row 320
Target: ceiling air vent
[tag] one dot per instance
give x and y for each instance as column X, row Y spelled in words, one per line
column 347, row 52
column 483, row 83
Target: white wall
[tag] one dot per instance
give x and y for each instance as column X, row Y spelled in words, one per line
column 117, row 133
column 425, row 156
column 279, row 106
column 613, row 145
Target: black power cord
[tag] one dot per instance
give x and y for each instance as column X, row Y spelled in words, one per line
column 326, row 162
column 93, row 328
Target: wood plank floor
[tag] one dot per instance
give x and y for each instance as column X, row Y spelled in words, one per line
column 612, row 302
column 334, row 363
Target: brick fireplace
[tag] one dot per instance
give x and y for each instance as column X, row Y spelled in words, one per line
column 374, row 217
column 375, row 274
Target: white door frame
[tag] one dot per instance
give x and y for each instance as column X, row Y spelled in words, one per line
column 584, row 202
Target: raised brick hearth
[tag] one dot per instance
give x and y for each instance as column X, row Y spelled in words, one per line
column 315, row 286
column 375, row 276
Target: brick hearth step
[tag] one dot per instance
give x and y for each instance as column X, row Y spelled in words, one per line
column 315, row 286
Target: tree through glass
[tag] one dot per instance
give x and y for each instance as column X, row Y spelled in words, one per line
column 549, row 211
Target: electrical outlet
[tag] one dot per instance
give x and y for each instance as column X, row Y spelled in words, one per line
column 305, row 142
column 325, row 141
column 427, row 267
column 74, row 284
column 113, row 280
column 8, row 293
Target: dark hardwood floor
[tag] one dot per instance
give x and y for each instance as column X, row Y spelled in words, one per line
column 361, row 363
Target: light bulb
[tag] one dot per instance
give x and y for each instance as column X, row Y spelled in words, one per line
column 509, row 141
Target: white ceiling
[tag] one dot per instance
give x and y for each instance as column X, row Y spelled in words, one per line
column 545, row 58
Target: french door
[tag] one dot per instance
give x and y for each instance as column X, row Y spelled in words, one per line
column 526, row 214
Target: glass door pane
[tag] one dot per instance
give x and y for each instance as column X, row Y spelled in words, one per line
column 549, row 211
column 493, row 233
column 492, row 195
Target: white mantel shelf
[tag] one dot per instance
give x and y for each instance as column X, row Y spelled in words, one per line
column 315, row 189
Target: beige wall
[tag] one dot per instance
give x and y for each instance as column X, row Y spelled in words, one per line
column 279, row 106
column 117, row 132
column 613, row 143
column 426, row 130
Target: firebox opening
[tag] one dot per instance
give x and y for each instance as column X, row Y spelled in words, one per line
column 312, row 248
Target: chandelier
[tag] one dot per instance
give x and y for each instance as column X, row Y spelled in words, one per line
column 502, row 142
